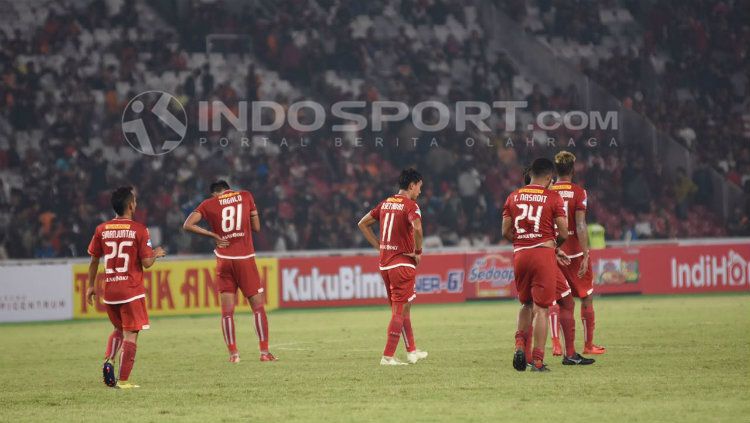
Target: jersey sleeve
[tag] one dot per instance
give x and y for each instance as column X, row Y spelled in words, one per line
column 201, row 209
column 145, row 249
column 583, row 199
column 95, row 246
column 251, row 202
column 506, row 207
column 414, row 213
column 375, row 213
column 558, row 207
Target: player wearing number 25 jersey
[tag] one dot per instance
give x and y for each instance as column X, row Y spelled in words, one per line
column 529, row 218
column 400, row 247
column 232, row 217
column 126, row 247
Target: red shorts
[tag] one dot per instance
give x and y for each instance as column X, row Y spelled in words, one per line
column 562, row 289
column 400, row 283
column 131, row 316
column 582, row 287
column 536, row 275
column 238, row 273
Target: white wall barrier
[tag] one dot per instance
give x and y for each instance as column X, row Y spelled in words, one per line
column 35, row 292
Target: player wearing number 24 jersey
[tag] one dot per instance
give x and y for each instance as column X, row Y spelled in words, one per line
column 530, row 215
column 400, row 247
column 126, row 247
column 232, row 217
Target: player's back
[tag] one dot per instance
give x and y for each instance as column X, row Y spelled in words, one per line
column 228, row 215
column 532, row 210
column 123, row 243
column 574, row 199
column 396, row 214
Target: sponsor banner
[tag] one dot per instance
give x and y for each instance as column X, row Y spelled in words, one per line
column 356, row 280
column 617, row 270
column 695, row 269
column 490, row 275
column 175, row 287
column 35, row 292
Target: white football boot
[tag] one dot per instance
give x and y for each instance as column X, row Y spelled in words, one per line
column 413, row 357
column 391, row 361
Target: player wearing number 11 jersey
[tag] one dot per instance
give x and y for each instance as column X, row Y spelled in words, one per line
column 232, row 215
column 126, row 247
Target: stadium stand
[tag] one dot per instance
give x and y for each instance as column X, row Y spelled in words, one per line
column 62, row 96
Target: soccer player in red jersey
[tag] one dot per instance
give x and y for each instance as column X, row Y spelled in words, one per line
column 400, row 247
column 578, row 272
column 231, row 215
column 530, row 215
column 126, row 247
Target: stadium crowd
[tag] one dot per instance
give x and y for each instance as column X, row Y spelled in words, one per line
column 58, row 88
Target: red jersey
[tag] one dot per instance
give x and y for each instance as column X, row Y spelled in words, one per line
column 575, row 198
column 228, row 215
column 395, row 215
column 533, row 210
column 123, row 243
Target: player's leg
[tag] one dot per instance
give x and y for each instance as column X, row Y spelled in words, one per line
column 134, row 319
column 228, row 303
column 228, row 297
column 554, row 328
column 402, row 288
column 248, row 279
column 114, row 342
column 583, row 288
column 543, row 292
column 522, row 353
column 395, row 326
column 540, row 322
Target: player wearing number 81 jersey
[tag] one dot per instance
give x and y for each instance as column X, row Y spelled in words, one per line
column 126, row 247
column 232, row 215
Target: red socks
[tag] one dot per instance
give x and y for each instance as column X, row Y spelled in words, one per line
column 568, row 323
column 227, row 327
column 587, row 318
column 127, row 359
column 538, row 357
column 261, row 327
column 554, row 321
column 408, row 335
column 394, row 333
column 520, row 340
column 113, row 344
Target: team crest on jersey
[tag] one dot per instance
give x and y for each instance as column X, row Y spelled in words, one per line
column 394, row 200
column 117, row 226
column 531, row 191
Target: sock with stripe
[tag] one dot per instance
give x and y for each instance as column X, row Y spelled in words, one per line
column 227, row 327
column 408, row 335
column 587, row 318
column 113, row 344
column 568, row 323
column 127, row 359
column 261, row 327
column 554, row 322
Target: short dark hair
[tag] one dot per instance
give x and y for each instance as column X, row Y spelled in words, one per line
column 408, row 176
column 219, row 186
column 542, row 167
column 120, row 199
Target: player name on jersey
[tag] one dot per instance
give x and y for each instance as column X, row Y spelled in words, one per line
column 233, row 199
column 534, row 198
column 121, row 233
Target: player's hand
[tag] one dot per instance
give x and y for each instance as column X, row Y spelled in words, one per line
column 159, row 252
column 221, row 243
column 417, row 257
column 562, row 258
column 90, row 295
column 584, row 266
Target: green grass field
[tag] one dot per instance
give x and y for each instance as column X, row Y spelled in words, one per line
column 670, row 359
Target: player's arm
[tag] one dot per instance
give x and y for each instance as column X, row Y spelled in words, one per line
column 418, row 238
column 255, row 221
column 93, row 270
column 191, row 225
column 365, row 225
column 507, row 228
column 562, row 229
column 147, row 262
column 582, row 230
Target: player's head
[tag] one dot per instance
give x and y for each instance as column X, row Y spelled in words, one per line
column 218, row 187
column 542, row 172
column 565, row 163
column 411, row 182
column 123, row 201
